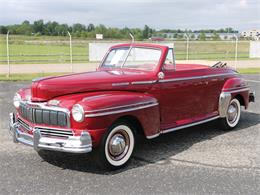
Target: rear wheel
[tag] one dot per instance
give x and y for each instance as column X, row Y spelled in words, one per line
column 117, row 146
column 232, row 116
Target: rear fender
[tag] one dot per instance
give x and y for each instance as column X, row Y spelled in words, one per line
column 233, row 87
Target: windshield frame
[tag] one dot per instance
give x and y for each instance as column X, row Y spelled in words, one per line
column 129, row 48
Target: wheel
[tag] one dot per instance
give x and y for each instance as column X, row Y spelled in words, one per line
column 116, row 146
column 233, row 115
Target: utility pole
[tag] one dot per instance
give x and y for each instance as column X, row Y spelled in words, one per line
column 71, row 64
column 236, row 43
column 7, row 54
column 187, row 46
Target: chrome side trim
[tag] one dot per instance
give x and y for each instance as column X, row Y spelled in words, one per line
column 223, row 103
column 235, row 91
column 195, row 77
column 182, row 127
column 118, row 107
column 121, row 111
column 152, row 136
column 143, row 82
column 120, row 84
column 189, row 125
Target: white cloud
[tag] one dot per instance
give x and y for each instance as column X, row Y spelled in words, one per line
column 136, row 13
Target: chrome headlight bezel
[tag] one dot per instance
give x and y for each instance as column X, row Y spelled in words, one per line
column 78, row 113
column 17, row 100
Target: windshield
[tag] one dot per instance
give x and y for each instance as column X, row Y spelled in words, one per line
column 135, row 57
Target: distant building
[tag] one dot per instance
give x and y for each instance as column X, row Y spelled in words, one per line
column 252, row 34
column 195, row 35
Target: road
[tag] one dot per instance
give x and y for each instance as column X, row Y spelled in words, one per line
column 83, row 67
column 197, row 160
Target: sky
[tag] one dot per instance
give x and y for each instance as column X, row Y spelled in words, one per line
column 158, row 14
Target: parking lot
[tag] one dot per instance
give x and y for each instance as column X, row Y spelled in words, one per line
column 196, row 160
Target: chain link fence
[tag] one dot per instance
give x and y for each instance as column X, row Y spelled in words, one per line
column 47, row 50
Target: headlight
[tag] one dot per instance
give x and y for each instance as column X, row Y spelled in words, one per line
column 78, row 113
column 16, row 100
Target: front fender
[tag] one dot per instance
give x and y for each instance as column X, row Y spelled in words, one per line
column 102, row 109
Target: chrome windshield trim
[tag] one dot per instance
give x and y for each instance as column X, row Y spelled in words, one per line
column 194, row 77
column 143, row 82
column 120, row 84
column 121, row 111
column 118, row 107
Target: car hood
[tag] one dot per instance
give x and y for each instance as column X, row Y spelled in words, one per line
column 47, row 88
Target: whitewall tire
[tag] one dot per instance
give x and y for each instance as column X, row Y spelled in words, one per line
column 232, row 116
column 117, row 146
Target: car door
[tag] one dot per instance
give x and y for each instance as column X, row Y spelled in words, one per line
column 181, row 98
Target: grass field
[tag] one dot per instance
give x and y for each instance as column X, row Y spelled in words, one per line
column 44, row 49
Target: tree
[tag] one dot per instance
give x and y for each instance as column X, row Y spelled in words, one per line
column 25, row 28
column 91, row 27
column 215, row 36
column 3, row 30
column 77, row 28
column 146, row 32
column 202, row 36
column 38, row 26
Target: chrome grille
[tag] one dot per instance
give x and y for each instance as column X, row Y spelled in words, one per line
column 23, row 124
column 54, row 132
column 44, row 116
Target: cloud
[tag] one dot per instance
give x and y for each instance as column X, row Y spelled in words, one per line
column 158, row 14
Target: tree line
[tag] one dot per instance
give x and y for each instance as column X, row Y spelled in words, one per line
column 50, row 28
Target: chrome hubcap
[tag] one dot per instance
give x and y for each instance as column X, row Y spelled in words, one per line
column 232, row 113
column 118, row 145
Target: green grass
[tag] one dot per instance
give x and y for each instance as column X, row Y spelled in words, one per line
column 27, row 77
column 249, row 71
column 27, row 49
column 47, row 49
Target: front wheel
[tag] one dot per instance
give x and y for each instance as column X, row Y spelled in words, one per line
column 233, row 115
column 117, row 146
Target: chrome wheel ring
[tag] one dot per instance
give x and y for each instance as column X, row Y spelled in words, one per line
column 233, row 113
column 119, row 145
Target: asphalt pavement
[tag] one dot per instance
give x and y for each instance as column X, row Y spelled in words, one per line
column 196, row 160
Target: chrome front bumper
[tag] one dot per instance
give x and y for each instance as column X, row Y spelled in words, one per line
column 73, row 144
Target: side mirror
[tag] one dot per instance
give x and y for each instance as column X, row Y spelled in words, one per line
column 161, row 75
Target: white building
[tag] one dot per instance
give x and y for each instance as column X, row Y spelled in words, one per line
column 253, row 34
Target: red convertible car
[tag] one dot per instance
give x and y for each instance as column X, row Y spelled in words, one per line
column 137, row 90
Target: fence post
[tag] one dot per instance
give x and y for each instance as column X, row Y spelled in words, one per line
column 187, row 46
column 236, row 51
column 71, row 64
column 7, row 53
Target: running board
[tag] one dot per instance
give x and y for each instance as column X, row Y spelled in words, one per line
column 182, row 127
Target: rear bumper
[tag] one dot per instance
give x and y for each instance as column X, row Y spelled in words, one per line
column 73, row 144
